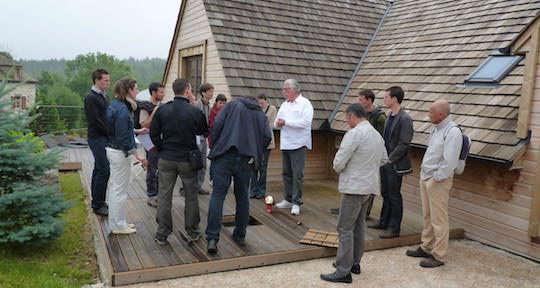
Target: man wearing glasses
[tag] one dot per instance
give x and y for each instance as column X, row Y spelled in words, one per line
column 294, row 120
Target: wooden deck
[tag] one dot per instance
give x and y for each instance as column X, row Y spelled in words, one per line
column 274, row 239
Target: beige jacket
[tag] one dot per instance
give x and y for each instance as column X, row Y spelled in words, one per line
column 271, row 113
column 358, row 160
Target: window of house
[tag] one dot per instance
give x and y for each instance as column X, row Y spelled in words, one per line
column 18, row 102
column 192, row 63
column 193, row 71
column 493, row 69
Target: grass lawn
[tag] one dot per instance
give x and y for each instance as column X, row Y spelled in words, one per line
column 69, row 261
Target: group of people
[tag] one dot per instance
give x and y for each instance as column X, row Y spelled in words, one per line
column 371, row 160
column 239, row 135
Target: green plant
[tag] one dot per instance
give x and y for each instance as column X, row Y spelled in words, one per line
column 29, row 211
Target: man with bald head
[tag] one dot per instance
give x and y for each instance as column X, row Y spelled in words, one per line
column 437, row 171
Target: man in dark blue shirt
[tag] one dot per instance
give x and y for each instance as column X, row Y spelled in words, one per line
column 95, row 107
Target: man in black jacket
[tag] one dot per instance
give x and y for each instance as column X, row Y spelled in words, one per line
column 398, row 134
column 240, row 135
column 95, row 107
column 173, row 131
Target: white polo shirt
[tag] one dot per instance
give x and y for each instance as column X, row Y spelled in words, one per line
column 298, row 116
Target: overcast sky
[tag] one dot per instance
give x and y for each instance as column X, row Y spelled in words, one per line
column 43, row 29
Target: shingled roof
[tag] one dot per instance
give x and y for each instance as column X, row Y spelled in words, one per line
column 263, row 42
column 428, row 46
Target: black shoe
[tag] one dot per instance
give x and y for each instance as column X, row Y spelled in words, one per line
column 377, row 226
column 102, row 211
column 161, row 240
column 252, row 196
column 355, row 269
column 431, row 262
column 334, row 211
column 259, row 196
column 334, row 278
column 241, row 242
column 417, row 253
column 193, row 237
column 389, row 234
column 212, row 246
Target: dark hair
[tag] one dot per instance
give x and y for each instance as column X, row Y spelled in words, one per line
column 261, row 96
column 96, row 75
column 179, row 86
column 396, row 92
column 154, row 87
column 357, row 109
column 221, row 97
column 122, row 87
column 368, row 94
column 205, row 87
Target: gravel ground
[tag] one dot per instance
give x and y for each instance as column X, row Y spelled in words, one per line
column 468, row 264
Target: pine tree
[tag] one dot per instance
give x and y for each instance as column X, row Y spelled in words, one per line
column 29, row 211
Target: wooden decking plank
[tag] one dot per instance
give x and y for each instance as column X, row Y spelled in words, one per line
column 117, row 259
column 129, row 252
column 143, row 254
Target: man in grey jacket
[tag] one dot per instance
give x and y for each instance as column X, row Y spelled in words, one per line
column 398, row 133
column 436, row 175
column 357, row 161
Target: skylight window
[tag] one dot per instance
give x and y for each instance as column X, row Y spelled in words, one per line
column 493, row 69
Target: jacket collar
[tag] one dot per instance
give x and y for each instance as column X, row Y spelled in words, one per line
column 396, row 119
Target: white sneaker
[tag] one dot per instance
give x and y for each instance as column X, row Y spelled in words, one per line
column 295, row 210
column 125, row 231
column 284, row 204
column 132, row 226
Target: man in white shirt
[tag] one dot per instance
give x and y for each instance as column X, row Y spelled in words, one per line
column 358, row 161
column 294, row 120
column 437, row 172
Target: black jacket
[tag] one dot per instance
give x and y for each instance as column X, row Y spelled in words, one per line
column 174, row 128
column 400, row 141
column 95, row 107
column 243, row 125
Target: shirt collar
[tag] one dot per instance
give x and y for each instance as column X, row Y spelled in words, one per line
column 443, row 123
column 100, row 92
column 295, row 99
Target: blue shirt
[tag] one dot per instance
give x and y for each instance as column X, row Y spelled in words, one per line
column 388, row 132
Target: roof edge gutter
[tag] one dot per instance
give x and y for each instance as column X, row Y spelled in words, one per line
column 360, row 63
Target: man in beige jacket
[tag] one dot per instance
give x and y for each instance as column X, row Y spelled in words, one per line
column 258, row 180
column 358, row 161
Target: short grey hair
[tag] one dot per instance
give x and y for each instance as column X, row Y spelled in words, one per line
column 293, row 84
column 357, row 109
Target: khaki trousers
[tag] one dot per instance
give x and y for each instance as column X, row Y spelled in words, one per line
column 435, row 212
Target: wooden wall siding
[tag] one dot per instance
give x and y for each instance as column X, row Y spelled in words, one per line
column 484, row 203
column 316, row 166
column 428, row 46
column 261, row 43
column 195, row 29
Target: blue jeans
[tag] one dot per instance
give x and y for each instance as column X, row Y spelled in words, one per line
column 101, row 172
column 230, row 165
column 258, row 180
column 392, row 209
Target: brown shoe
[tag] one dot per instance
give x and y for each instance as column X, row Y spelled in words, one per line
column 417, row 253
column 152, row 203
column 204, row 191
column 431, row 262
column 388, row 234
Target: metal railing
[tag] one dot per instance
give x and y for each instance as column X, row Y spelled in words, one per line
column 59, row 119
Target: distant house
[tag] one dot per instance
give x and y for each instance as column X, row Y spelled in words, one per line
column 433, row 49
column 24, row 95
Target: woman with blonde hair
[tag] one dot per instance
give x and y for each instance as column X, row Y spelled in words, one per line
column 121, row 146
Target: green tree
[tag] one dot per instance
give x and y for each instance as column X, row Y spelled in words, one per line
column 29, row 210
column 71, row 114
column 48, row 118
column 79, row 71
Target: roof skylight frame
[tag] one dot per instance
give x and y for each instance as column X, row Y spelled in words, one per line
column 495, row 55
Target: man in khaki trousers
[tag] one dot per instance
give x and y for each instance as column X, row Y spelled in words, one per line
column 437, row 171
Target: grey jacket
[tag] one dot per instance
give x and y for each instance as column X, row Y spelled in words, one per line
column 400, row 141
